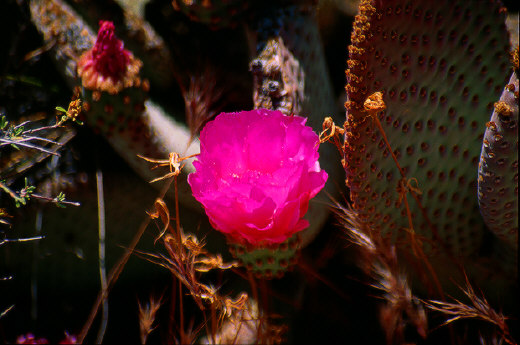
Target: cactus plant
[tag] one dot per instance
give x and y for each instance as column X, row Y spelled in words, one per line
column 289, row 75
column 439, row 83
column 422, row 80
column 498, row 167
column 130, row 126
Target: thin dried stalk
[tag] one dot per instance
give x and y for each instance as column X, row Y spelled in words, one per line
column 187, row 259
column 101, row 257
column 115, row 272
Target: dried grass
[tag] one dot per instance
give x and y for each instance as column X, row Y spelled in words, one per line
column 479, row 309
column 147, row 317
column 379, row 261
column 187, row 259
column 203, row 100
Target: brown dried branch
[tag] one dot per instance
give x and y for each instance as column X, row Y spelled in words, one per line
column 373, row 105
column 115, row 273
column 187, row 259
column 332, row 133
column 186, row 263
column 174, row 162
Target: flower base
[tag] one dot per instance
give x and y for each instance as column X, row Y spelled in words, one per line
column 108, row 113
column 269, row 261
column 113, row 92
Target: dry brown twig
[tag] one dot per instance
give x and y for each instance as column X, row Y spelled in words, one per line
column 115, row 273
column 332, row 133
column 373, row 105
column 174, row 162
column 187, row 259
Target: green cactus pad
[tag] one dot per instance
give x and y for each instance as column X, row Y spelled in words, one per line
column 110, row 113
column 498, row 168
column 298, row 29
column 291, row 32
column 59, row 23
column 439, row 82
column 269, row 261
column 278, row 79
column 139, row 37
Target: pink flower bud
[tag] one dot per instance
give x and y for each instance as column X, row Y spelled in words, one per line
column 256, row 172
column 108, row 66
column 109, row 55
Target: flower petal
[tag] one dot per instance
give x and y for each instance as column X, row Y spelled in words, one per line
column 256, row 172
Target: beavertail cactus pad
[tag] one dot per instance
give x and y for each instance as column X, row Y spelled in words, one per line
column 439, row 82
column 498, row 167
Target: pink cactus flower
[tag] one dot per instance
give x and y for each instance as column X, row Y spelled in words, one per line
column 108, row 66
column 256, row 172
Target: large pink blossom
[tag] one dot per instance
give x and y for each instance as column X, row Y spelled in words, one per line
column 256, row 172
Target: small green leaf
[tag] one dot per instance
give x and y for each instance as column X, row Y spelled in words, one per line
column 18, row 131
column 3, row 122
column 61, row 109
column 59, row 199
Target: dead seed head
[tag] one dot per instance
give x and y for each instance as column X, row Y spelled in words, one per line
column 374, row 103
column 147, row 316
column 478, row 308
column 174, row 162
